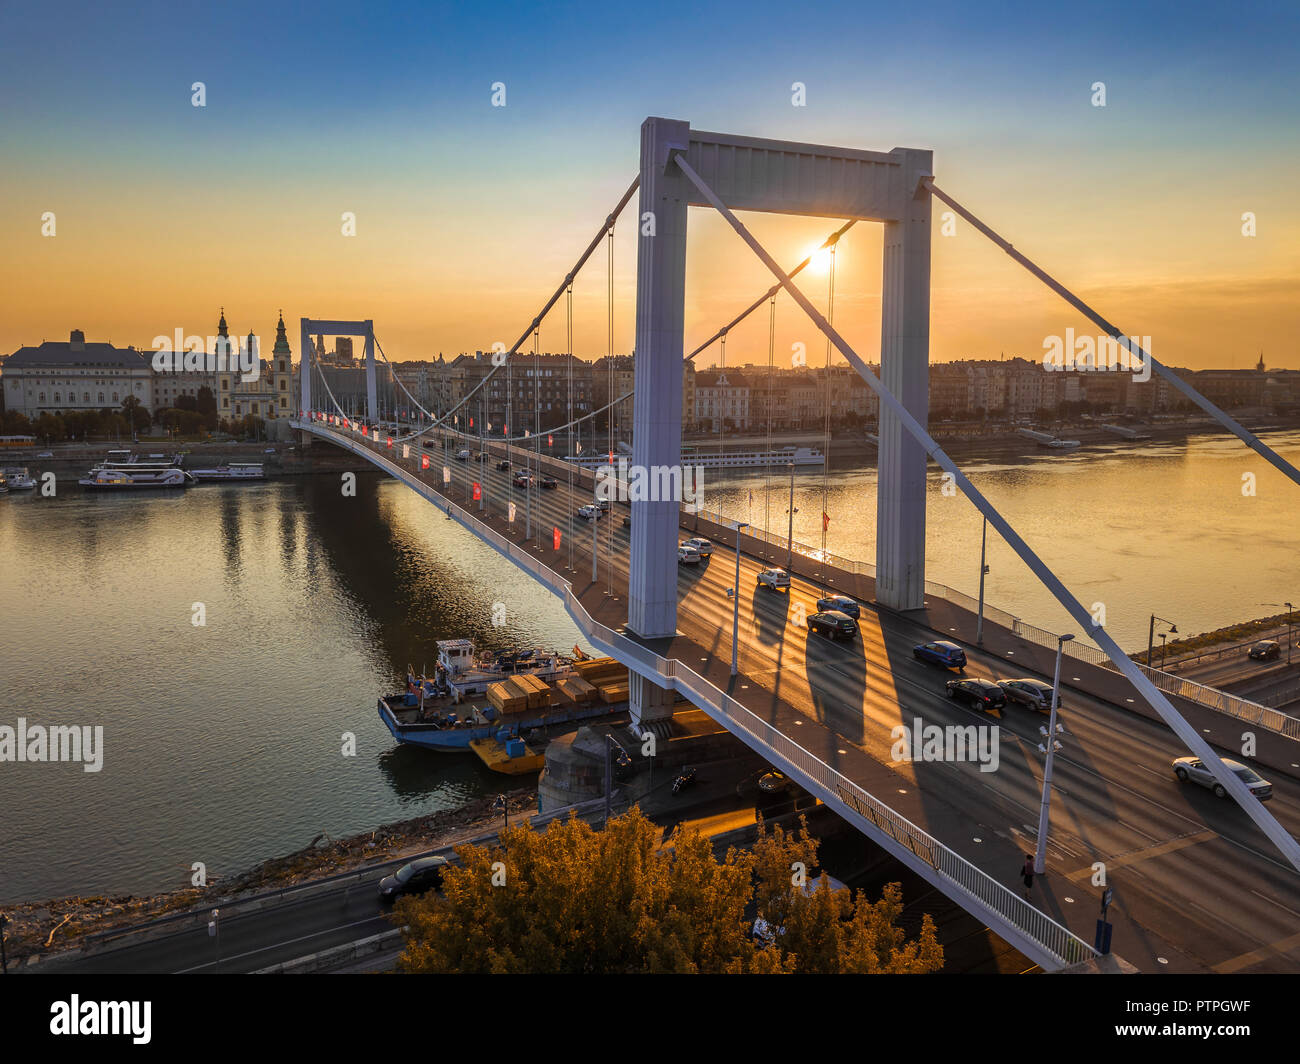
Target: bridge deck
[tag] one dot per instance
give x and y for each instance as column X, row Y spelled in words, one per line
column 1114, row 796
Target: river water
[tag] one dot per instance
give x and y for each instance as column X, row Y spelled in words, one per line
column 223, row 741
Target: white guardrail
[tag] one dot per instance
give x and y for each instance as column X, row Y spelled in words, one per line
column 1034, row 933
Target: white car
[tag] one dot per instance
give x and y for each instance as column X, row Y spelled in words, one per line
column 463, row 455
column 589, row 512
column 701, row 545
column 774, row 579
column 687, row 555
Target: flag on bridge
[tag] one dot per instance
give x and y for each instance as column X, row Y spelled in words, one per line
column 555, row 538
column 550, row 440
column 512, row 513
column 478, row 491
column 424, row 461
column 826, row 520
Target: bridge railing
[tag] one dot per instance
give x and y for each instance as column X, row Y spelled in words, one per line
column 1054, row 944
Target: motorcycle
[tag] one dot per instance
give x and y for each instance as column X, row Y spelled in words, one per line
column 684, row 779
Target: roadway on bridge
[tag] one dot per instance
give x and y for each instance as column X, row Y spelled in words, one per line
column 1197, row 885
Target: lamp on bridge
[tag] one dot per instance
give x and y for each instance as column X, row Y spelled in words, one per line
column 1151, row 636
column 735, row 605
column 1049, row 746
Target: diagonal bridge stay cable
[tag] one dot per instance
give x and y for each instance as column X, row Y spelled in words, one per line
column 1240, row 431
column 1277, row 834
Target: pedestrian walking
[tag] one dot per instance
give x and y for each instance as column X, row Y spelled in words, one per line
column 1027, row 874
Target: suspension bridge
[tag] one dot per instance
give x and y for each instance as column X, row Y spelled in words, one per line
column 824, row 714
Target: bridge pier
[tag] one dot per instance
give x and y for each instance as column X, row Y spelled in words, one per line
column 651, row 706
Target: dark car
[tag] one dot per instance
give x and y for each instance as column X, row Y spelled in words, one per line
column 833, row 623
column 504, row 464
column 522, row 480
column 414, row 878
column 549, row 483
column 842, row 603
column 982, row 694
column 1265, row 650
column 1032, row 693
column 941, row 652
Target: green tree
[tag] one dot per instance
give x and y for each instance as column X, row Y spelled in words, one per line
column 136, row 414
column 572, row 899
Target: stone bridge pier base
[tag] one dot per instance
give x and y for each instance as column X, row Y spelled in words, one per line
column 651, row 707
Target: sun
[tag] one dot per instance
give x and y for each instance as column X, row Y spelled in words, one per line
column 819, row 259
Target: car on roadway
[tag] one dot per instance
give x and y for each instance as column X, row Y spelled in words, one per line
column 463, row 454
column 1193, row 769
column 589, row 513
column 602, row 505
column 842, row 603
column 1265, row 650
column 702, row 546
column 1032, row 693
column 414, row 878
column 523, row 480
column 834, row 624
column 503, row 465
column 982, row 694
column 941, row 652
column 45, row 454
column 774, row 579
column 549, row 483
column 687, row 555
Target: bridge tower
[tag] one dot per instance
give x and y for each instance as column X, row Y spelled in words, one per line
column 322, row 327
column 781, row 177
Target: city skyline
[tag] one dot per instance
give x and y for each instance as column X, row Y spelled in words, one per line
column 467, row 215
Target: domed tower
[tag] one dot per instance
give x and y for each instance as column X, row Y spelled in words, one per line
column 281, row 382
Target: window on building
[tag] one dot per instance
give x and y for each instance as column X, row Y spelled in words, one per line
column 101, row 397
column 283, row 402
column 225, row 402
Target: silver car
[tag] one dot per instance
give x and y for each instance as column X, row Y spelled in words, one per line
column 1191, row 768
column 1032, row 693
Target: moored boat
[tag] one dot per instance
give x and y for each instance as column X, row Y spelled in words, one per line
column 102, row 479
column 453, row 708
column 231, row 471
column 18, row 478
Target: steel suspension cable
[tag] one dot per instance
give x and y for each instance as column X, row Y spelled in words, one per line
column 1241, row 432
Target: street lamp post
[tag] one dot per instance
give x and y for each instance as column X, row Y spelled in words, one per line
column 214, row 931
column 1163, row 637
column 1151, row 634
column 1040, row 855
column 979, row 620
column 735, row 605
column 1289, row 640
column 789, row 548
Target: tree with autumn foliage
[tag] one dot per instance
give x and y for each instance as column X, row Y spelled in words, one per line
column 575, row 900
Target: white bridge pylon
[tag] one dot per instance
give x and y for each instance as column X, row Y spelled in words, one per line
column 915, row 428
column 778, row 177
column 322, row 327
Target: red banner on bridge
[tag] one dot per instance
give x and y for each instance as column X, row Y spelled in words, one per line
column 555, row 537
column 478, row 492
